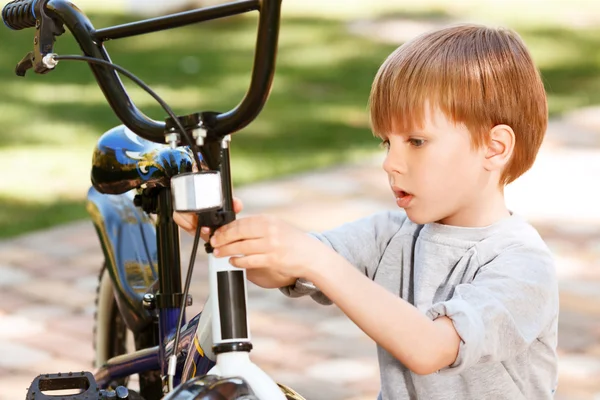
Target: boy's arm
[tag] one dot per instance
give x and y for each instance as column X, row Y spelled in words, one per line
column 361, row 243
column 422, row 345
column 507, row 306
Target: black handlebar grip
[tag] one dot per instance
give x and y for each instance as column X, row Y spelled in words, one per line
column 19, row 14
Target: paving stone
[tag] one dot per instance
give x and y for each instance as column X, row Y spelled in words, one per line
column 586, row 289
column 331, row 184
column 10, row 276
column 276, row 303
column 586, row 118
column 37, row 263
column 578, row 230
column 569, row 266
column 280, row 328
column 573, row 388
column 51, row 245
column 43, row 312
column 61, row 344
column 15, row 386
column 16, row 255
column 16, row 326
column 14, row 355
column 11, row 301
column 288, row 378
column 260, row 305
column 89, row 310
column 307, row 311
column 339, row 347
column 570, row 393
column 90, row 262
column 60, row 364
column 284, row 355
column 318, row 215
column 576, row 331
column 56, row 292
column 80, row 326
column 343, row 370
column 265, row 196
column 55, row 234
column 534, row 194
column 88, row 283
column 68, row 274
column 314, row 389
column 594, row 248
column 579, row 366
column 340, row 327
column 560, row 246
column 84, row 239
column 369, row 387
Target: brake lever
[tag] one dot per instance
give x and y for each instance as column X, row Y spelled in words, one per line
column 46, row 31
column 25, row 64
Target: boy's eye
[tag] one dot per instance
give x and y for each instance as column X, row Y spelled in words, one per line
column 385, row 144
column 416, row 142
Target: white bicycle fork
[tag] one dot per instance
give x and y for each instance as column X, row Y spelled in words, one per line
column 230, row 329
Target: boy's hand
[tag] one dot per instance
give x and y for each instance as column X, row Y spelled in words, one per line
column 189, row 221
column 269, row 248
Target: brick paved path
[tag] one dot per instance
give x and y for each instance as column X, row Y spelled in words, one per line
column 48, row 280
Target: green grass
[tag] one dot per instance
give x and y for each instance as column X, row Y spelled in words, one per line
column 315, row 116
column 37, row 215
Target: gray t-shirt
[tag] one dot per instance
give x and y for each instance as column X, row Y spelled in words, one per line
column 497, row 284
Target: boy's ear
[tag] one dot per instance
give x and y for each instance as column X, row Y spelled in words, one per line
column 500, row 146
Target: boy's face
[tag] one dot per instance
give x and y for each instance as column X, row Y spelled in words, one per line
column 434, row 172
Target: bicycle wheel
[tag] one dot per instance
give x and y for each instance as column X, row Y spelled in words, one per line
column 112, row 338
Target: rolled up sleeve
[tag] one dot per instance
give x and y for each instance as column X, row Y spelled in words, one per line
column 508, row 305
column 302, row 287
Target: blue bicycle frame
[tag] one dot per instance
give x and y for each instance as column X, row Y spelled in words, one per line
column 133, row 244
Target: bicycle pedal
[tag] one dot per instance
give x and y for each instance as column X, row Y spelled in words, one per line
column 44, row 385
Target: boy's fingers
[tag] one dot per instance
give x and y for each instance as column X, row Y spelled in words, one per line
column 238, row 206
column 249, row 262
column 205, row 233
column 243, row 247
column 185, row 220
column 240, row 229
column 189, row 222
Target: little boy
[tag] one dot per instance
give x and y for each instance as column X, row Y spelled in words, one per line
column 459, row 293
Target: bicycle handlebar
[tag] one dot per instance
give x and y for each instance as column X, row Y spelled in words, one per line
column 20, row 14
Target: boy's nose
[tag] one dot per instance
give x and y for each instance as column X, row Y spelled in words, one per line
column 393, row 164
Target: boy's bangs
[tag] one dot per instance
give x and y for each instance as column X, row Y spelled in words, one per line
column 400, row 94
column 416, row 76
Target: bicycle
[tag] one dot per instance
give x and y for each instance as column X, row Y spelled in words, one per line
column 146, row 167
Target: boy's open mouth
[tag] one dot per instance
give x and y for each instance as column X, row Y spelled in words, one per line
column 399, row 193
column 403, row 198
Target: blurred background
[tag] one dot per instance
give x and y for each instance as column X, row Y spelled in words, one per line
column 328, row 54
column 311, row 138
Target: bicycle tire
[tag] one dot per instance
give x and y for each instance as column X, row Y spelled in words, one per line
column 110, row 338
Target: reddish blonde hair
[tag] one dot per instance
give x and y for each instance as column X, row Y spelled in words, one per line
column 478, row 76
